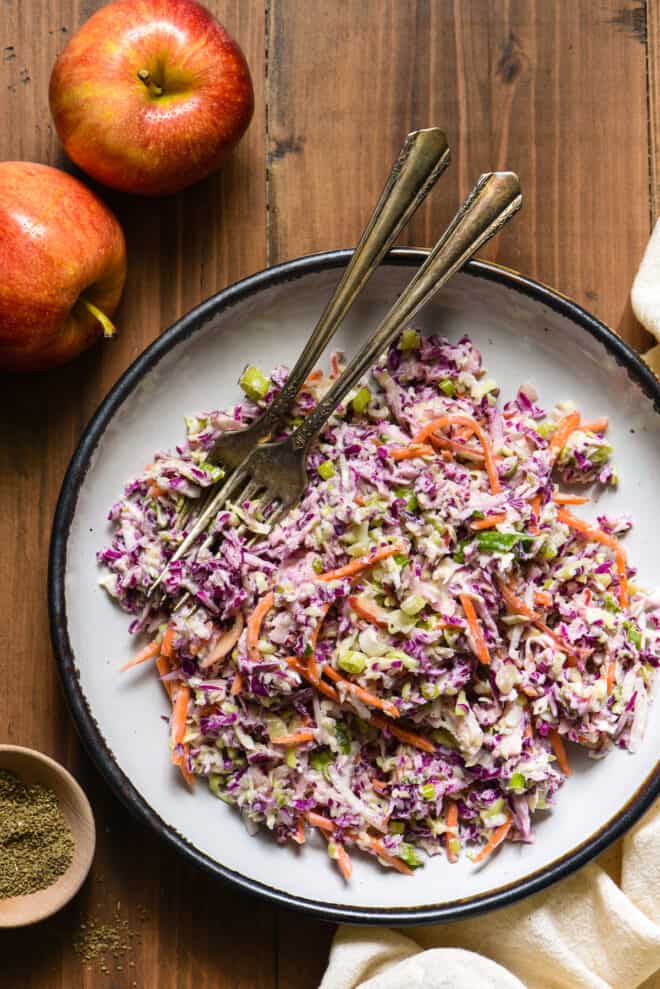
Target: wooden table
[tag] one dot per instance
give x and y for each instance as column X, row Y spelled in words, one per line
column 563, row 91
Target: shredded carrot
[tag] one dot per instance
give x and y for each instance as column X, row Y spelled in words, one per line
column 225, row 643
column 565, row 427
column 314, row 674
column 392, row 860
column 166, row 647
column 591, row 532
column 410, row 452
column 334, row 366
column 611, row 673
column 402, row 734
column 327, row 828
column 496, row 839
column 543, row 598
column 314, row 637
column 295, row 738
column 366, row 696
column 489, row 522
column 380, row 786
column 179, row 712
column 299, row 834
column 528, row 732
column 446, row 455
column 368, row 610
column 359, row 500
column 362, row 563
column 473, row 426
column 446, row 445
column 254, row 625
column 319, row 821
column 321, row 686
column 536, row 509
column 163, row 667
column 312, row 665
column 560, row 752
column 478, row 640
column 236, row 684
column 596, row 425
column 180, row 761
column 314, row 376
column 516, row 604
column 344, row 861
column 155, row 491
column 568, row 499
column 452, row 829
column 153, row 649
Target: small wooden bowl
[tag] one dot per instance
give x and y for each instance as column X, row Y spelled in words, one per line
column 34, row 767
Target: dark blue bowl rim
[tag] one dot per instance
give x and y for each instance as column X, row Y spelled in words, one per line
column 87, row 727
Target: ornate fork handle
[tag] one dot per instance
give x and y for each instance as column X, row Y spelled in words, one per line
column 494, row 199
column 423, row 158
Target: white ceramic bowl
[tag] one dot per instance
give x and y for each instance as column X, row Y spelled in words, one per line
column 527, row 333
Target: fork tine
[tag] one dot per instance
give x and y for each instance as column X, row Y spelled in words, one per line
column 249, row 492
column 202, row 522
column 275, row 516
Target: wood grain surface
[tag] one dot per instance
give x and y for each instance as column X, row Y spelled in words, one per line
column 564, row 92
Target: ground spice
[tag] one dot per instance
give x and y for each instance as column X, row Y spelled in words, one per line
column 100, row 940
column 36, row 844
column 95, row 939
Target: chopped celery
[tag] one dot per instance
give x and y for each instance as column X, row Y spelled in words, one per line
column 361, row 400
column 215, row 782
column 397, row 827
column 517, row 782
column 548, row 551
column 413, row 604
column 495, row 808
column 352, row 662
column 610, row 604
column 400, row 559
column 408, row 854
column 459, row 552
column 290, row 760
column 427, row 791
column 317, row 565
column 275, row 726
column 254, row 383
column 492, row 541
column 215, row 473
column 343, row 737
column 454, row 846
column 326, row 470
column 410, row 340
column 320, row 759
column 444, row 737
column 448, row 387
column 634, row 634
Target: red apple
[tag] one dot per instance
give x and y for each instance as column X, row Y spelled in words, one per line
column 63, row 265
column 151, row 95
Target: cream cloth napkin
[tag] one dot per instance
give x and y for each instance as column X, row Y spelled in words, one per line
column 645, row 295
column 587, row 932
column 593, row 930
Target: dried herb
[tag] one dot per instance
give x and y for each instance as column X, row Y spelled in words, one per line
column 36, row 844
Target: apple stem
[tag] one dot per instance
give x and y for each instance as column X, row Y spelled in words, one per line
column 109, row 328
column 145, row 76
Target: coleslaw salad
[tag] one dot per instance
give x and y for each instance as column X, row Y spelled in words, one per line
column 401, row 662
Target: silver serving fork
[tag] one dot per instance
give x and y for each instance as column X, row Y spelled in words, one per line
column 277, row 470
column 423, row 158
